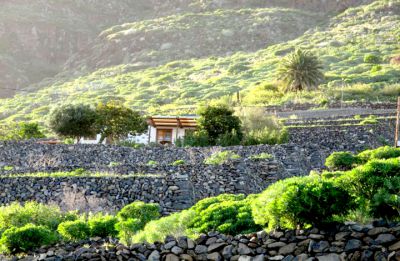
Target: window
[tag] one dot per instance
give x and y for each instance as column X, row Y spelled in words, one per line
column 164, row 136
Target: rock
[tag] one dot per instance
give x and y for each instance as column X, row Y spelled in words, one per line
column 367, row 255
column 186, row 257
column 227, row 252
column 169, row 245
column 216, row 247
column 214, row 256
column 280, row 257
column 319, row 247
column 341, row 236
column 190, row 243
column 258, row 258
column 171, row 257
column 200, row 249
column 183, row 242
column 288, row 249
column 227, row 33
column 177, row 250
column 377, row 230
column 316, row 236
column 276, row 245
column 301, row 257
column 154, row 256
column 385, row 238
column 330, row 257
column 352, row 245
column 243, row 249
column 395, row 246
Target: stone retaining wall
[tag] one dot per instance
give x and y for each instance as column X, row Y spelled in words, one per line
column 343, row 242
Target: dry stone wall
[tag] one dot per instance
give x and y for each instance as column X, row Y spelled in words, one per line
column 379, row 241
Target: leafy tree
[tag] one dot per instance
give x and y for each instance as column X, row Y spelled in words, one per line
column 217, row 121
column 73, row 121
column 116, row 121
column 300, row 70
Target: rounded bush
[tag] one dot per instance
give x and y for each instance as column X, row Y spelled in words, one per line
column 144, row 212
column 385, row 152
column 26, row 238
column 229, row 214
column 341, row 161
column 74, row 230
column 301, row 201
column 103, row 226
column 371, row 58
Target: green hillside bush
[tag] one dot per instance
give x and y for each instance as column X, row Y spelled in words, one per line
column 301, row 201
column 103, row 225
column 26, row 238
column 221, row 157
column 372, row 58
column 385, row 152
column 74, row 230
column 341, row 161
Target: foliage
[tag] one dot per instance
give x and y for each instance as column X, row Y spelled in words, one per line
column 386, row 201
column 385, row 152
column 194, row 139
column 21, row 131
column 228, row 214
column 372, row 58
column 173, row 225
column 219, row 120
column 73, row 121
column 261, row 156
column 301, row 201
column 127, row 229
column 115, row 121
column 102, row 225
column 74, row 230
column 221, row 157
column 130, row 144
column 152, row 163
column 341, row 161
column 228, row 139
column 369, row 120
column 178, row 162
column 300, row 70
column 144, row 212
column 26, row 238
column 259, row 128
column 17, row 215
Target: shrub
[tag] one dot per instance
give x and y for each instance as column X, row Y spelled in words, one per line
column 173, row 225
column 178, row 162
column 341, row 161
column 386, row 201
column 130, row 144
column 195, row 139
column 228, row 139
column 17, row 215
column 222, row 157
column 229, row 214
column 371, row 58
column 26, row 238
column 143, row 212
column 128, row 228
column 385, row 152
column 74, row 230
column 103, row 226
column 301, row 201
column 261, row 156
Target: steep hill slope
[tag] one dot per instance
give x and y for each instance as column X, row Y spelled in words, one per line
column 341, row 44
column 38, row 37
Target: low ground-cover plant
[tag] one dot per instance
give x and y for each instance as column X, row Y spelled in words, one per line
column 221, row 157
column 26, row 238
column 178, row 163
column 261, row 156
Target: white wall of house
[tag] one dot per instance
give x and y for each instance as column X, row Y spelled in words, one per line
column 91, row 140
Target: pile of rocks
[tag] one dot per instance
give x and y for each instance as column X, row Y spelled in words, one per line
column 341, row 242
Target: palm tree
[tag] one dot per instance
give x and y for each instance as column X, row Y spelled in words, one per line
column 300, row 70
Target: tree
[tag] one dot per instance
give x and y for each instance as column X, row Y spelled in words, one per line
column 116, row 121
column 300, row 70
column 29, row 130
column 219, row 122
column 73, row 121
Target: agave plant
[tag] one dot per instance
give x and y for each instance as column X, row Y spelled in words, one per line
column 300, row 70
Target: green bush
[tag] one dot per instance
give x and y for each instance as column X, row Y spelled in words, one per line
column 228, row 139
column 261, row 156
column 385, row 152
column 173, row 225
column 178, row 163
column 195, row 139
column 17, row 215
column 103, row 226
column 128, row 228
column 229, row 214
column 26, row 238
column 341, row 161
column 301, row 201
column 371, row 58
column 74, row 230
column 143, row 212
column 221, row 157
column 386, row 201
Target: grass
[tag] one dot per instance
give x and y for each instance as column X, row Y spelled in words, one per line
column 178, row 86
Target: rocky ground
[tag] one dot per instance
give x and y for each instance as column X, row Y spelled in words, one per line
column 378, row 241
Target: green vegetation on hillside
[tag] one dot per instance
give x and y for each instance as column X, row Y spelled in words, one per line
column 341, row 45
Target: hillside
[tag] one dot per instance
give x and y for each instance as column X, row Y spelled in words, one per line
column 38, row 37
column 341, row 44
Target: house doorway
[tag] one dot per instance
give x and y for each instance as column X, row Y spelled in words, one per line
column 164, row 136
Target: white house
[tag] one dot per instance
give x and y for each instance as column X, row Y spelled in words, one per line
column 168, row 129
column 162, row 130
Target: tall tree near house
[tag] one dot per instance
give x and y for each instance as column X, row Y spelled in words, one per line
column 114, row 121
column 300, row 70
column 73, row 121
